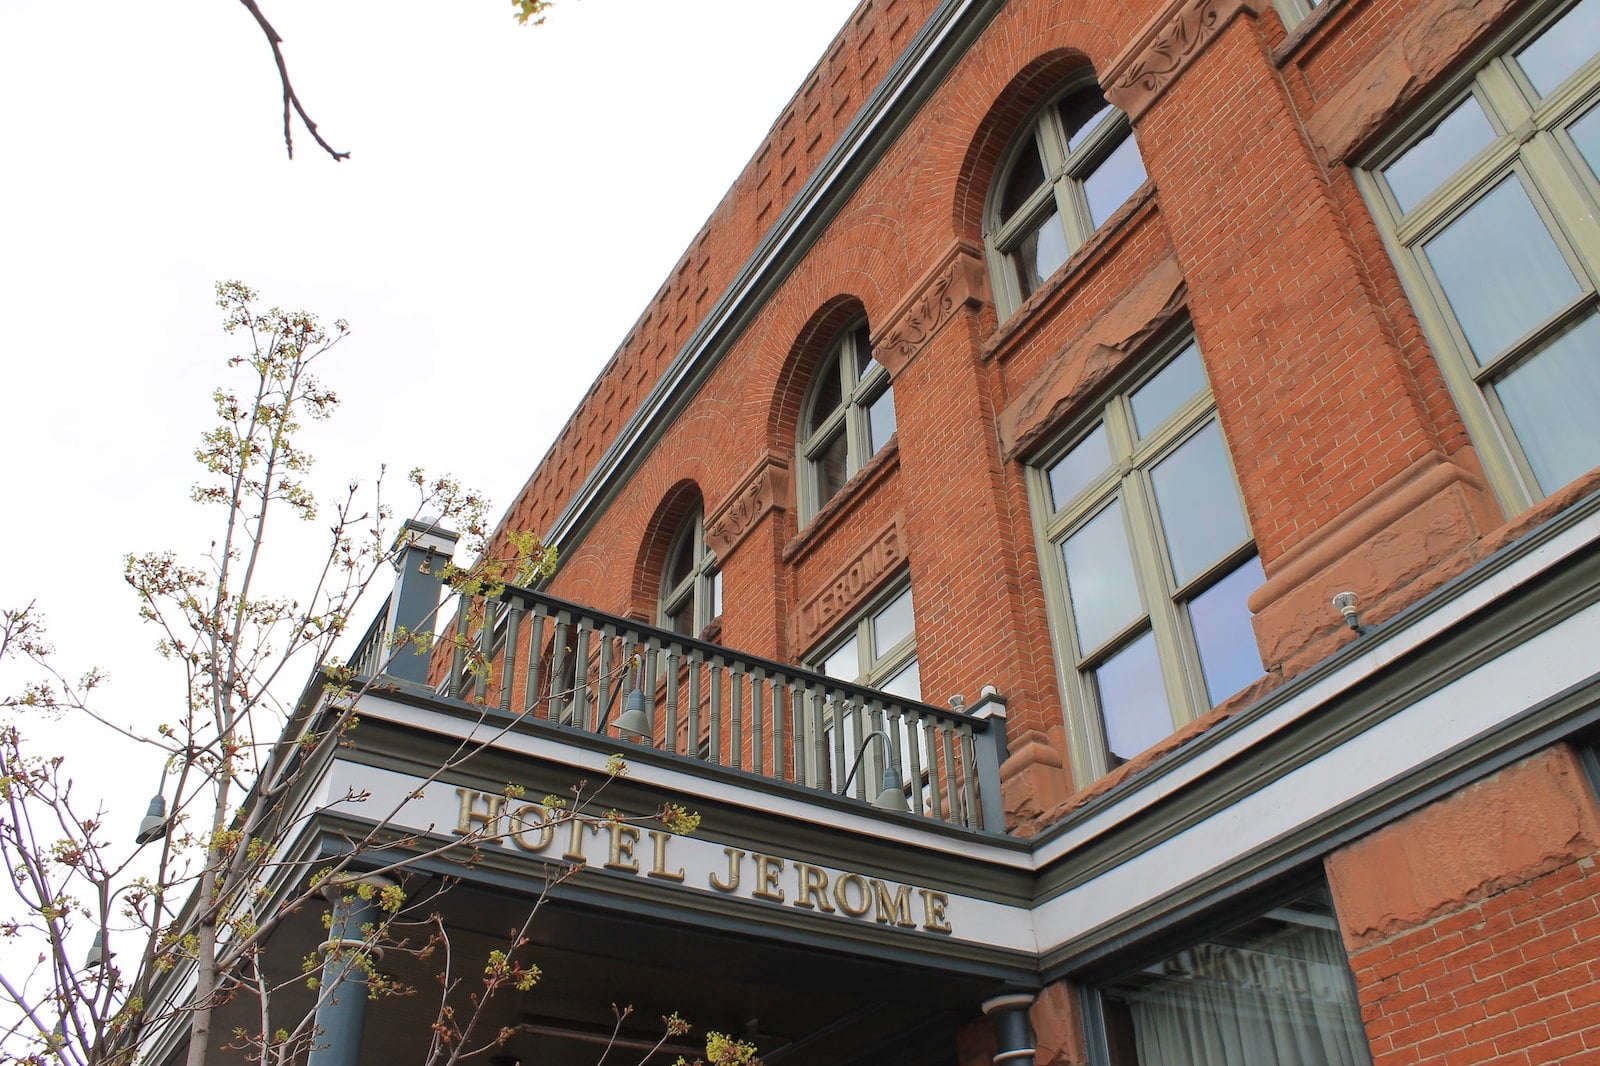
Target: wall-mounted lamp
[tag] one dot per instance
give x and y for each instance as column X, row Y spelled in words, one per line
column 634, row 720
column 1345, row 604
column 891, row 795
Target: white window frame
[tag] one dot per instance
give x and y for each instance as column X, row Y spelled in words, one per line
column 862, row 383
column 1531, row 142
column 1066, row 170
column 1165, row 601
column 699, row 591
column 1294, row 12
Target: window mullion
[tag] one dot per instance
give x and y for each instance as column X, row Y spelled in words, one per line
column 1564, row 194
column 1153, row 571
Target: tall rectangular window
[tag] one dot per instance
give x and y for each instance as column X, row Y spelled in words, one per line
column 1489, row 205
column 1150, row 561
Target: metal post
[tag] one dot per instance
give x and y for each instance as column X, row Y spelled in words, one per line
column 342, row 990
column 991, row 753
column 1013, row 1032
column 420, row 550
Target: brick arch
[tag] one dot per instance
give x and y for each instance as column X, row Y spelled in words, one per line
column 794, row 378
column 1028, row 88
column 676, row 504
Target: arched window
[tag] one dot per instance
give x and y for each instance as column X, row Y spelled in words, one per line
column 1072, row 166
column 848, row 417
column 691, row 587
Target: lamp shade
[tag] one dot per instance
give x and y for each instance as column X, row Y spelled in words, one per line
column 634, row 720
column 154, row 824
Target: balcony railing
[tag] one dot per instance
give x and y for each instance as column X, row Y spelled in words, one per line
column 533, row 655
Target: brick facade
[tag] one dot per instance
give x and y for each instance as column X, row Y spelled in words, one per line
column 1470, row 919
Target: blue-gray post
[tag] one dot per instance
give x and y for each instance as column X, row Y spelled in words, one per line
column 420, row 550
column 1012, row 1030
column 342, row 989
column 991, row 754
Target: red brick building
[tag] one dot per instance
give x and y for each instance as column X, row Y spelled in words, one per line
column 1068, row 360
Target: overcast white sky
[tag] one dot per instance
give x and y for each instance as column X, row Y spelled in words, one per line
column 514, row 197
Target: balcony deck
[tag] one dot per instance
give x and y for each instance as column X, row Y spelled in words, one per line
column 527, row 654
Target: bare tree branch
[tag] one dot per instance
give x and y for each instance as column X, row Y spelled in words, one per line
column 291, row 99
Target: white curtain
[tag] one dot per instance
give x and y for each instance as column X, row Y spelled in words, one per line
column 1285, row 1001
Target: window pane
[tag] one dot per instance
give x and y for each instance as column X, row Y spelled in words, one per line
column 682, row 561
column 1177, row 383
column 1586, row 134
column 1446, row 149
column 1199, row 509
column 892, row 624
column 1076, row 470
column 1553, row 404
column 830, row 467
column 863, row 351
column 1040, row 253
column 907, row 684
column 845, row 663
column 1105, row 597
column 828, row 395
column 1229, row 658
column 1500, row 269
column 1113, row 181
column 1133, row 703
column 880, row 419
column 1552, row 56
column 716, row 594
column 1027, row 174
column 1081, row 115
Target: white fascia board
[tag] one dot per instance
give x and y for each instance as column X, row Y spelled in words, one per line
column 432, row 809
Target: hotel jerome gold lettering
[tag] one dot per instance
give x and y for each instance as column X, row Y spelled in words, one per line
column 530, row 827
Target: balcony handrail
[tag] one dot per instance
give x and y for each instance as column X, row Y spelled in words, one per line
column 570, row 664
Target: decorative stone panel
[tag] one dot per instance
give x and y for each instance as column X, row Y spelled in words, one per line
column 957, row 281
column 1168, row 45
column 763, row 490
column 845, row 591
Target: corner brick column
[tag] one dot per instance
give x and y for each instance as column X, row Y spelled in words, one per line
column 967, row 531
column 1473, row 925
column 1341, row 492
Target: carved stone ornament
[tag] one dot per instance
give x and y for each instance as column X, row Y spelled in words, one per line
column 959, row 281
column 1173, row 42
column 762, row 491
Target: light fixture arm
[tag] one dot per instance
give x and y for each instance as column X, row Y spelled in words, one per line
column 891, row 797
column 635, row 703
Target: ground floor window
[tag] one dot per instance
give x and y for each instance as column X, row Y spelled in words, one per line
column 1275, row 990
